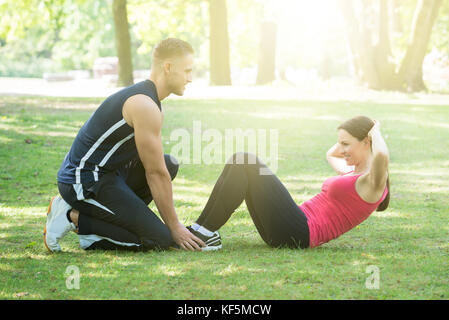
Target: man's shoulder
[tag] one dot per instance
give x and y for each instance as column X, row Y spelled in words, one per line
column 141, row 109
column 146, row 90
column 141, row 103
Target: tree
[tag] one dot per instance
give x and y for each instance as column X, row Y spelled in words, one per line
column 220, row 70
column 440, row 31
column 267, row 53
column 410, row 72
column 123, row 43
column 369, row 42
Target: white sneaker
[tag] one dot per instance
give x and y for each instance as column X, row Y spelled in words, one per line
column 212, row 242
column 57, row 223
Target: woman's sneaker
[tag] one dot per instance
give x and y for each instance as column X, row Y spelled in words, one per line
column 57, row 225
column 212, row 242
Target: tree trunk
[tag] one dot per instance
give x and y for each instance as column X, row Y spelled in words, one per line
column 410, row 72
column 359, row 38
column 220, row 70
column 396, row 25
column 372, row 60
column 123, row 43
column 385, row 69
column 267, row 53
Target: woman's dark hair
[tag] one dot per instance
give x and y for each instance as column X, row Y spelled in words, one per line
column 359, row 127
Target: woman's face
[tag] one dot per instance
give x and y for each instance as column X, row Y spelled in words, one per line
column 353, row 150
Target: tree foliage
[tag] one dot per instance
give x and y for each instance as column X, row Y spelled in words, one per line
column 39, row 36
column 152, row 21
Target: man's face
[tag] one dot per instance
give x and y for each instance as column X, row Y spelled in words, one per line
column 179, row 73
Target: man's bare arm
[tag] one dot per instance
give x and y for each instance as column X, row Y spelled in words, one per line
column 141, row 113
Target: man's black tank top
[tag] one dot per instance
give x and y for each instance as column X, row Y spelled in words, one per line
column 105, row 142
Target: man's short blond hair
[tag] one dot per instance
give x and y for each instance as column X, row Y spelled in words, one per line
column 170, row 48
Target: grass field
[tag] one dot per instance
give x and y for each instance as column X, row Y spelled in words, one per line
column 408, row 243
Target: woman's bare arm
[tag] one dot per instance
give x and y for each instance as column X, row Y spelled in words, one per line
column 378, row 173
column 337, row 161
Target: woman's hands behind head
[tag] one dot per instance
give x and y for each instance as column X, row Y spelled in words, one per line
column 375, row 129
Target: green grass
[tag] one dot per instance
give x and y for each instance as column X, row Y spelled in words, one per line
column 408, row 242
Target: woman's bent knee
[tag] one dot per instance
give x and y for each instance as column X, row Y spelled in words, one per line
column 172, row 165
column 243, row 158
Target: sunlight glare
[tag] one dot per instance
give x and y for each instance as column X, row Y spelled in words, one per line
column 313, row 21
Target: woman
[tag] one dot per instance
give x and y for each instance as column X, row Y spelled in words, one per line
column 360, row 157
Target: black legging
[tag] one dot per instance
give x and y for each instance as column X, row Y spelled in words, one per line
column 115, row 209
column 277, row 217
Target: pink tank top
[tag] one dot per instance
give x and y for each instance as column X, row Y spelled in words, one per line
column 336, row 209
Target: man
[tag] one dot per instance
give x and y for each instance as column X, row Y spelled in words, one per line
column 116, row 159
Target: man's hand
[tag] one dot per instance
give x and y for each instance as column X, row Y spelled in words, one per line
column 185, row 239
